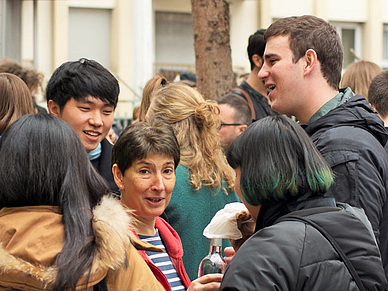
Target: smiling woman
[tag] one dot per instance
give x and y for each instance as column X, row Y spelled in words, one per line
column 146, row 187
column 144, row 160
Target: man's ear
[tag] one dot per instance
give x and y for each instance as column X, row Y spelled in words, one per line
column 311, row 60
column 54, row 108
column 242, row 128
column 257, row 60
column 118, row 176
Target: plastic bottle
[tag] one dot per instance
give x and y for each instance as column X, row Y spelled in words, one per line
column 213, row 263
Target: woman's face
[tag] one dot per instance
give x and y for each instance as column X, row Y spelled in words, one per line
column 147, row 185
column 253, row 210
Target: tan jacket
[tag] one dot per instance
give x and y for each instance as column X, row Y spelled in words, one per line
column 32, row 237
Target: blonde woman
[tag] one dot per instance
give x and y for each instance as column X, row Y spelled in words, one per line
column 204, row 180
column 359, row 75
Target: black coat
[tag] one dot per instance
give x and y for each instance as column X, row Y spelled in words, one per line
column 292, row 255
column 351, row 138
column 103, row 165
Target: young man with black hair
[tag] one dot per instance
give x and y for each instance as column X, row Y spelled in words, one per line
column 302, row 69
column 85, row 94
column 252, row 89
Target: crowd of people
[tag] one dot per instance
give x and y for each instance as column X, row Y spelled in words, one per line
column 87, row 205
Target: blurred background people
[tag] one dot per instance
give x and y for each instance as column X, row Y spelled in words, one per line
column 144, row 162
column 188, row 78
column 235, row 117
column 15, row 100
column 59, row 230
column 135, row 114
column 114, row 131
column 204, row 181
column 359, row 75
column 30, row 76
column 378, row 96
column 153, row 84
column 280, row 173
column 241, row 78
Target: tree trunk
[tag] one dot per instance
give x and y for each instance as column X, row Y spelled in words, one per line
column 213, row 59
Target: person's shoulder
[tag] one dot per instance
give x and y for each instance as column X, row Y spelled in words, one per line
column 288, row 234
column 106, row 145
column 137, row 276
column 247, row 88
column 274, row 248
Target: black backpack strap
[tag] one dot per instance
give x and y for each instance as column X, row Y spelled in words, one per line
column 335, row 245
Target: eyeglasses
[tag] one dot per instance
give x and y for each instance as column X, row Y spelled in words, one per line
column 231, row 124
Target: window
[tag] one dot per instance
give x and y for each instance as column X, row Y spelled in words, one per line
column 89, row 34
column 351, row 39
column 174, row 38
column 10, row 29
column 174, row 43
column 385, row 47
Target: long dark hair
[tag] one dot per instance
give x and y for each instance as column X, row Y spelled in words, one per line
column 43, row 162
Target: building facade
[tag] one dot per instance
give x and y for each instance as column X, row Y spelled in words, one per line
column 136, row 38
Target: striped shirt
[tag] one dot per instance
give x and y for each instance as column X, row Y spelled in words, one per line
column 163, row 262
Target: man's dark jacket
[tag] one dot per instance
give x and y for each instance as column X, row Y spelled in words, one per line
column 103, row 166
column 351, row 138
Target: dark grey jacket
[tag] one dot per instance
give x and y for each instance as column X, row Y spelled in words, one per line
column 291, row 255
column 351, row 138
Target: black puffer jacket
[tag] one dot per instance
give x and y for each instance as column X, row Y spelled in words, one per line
column 351, row 138
column 291, row 255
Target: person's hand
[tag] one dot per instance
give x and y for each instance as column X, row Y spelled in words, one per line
column 246, row 226
column 208, row 282
column 229, row 254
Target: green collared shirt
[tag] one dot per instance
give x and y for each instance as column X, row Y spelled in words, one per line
column 343, row 96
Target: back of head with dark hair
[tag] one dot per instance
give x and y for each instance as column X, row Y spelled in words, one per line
column 15, row 100
column 277, row 160
column 141, row 139
column 43, row 162
column 310, row 32
column 79, row 79
column 378, row 93
column 242, row 111
column 256, row 46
